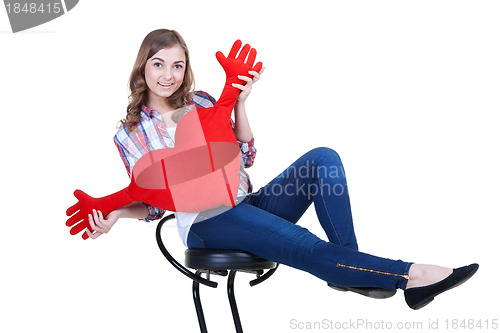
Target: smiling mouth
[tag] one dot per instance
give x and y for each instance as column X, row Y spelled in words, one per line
column 165, row 84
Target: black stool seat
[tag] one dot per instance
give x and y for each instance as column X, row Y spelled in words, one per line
column 214, row 259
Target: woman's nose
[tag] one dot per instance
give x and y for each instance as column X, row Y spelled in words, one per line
column 167, row 74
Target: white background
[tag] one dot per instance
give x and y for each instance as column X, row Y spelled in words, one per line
column 406, row 91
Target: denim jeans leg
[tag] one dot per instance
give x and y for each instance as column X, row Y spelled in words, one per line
column 318, row 176
column 249, row 228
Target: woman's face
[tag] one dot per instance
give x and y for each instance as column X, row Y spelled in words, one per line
column 164, row 73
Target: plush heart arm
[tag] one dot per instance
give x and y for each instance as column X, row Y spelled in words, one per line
column 235, row 64
column 79, row 212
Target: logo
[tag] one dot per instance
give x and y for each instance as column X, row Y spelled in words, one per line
column 28, row 14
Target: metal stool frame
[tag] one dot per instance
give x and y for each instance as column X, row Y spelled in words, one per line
column 243, row 264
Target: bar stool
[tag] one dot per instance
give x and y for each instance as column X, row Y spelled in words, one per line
column 218, row 262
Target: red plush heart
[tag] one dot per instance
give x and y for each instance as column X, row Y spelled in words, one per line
column 200, row 172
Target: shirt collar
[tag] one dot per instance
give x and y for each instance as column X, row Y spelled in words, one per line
column 147, row 111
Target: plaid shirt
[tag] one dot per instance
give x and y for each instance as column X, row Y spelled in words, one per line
column 151, row 134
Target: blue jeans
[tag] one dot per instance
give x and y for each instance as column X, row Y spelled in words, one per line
column 265, row 224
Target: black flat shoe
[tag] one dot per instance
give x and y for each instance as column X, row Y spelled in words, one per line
column 418, row 297
column 371, row 292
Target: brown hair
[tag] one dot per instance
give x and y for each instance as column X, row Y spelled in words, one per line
column 152, row 43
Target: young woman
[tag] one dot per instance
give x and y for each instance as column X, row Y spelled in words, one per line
column 263, row 222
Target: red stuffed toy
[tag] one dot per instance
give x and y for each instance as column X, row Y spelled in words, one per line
column 200, row 172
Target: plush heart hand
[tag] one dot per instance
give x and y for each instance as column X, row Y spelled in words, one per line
column 199, row 173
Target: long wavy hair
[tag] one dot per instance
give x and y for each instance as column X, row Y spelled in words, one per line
column 152, row 43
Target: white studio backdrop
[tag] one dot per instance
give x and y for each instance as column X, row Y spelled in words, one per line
column 405, row 91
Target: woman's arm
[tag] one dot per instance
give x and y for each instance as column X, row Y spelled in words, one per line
column 241, row 124
column 102, row 225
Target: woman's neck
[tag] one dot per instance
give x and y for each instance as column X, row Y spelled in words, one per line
column 162, row 106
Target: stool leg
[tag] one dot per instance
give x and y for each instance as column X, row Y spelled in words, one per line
column 197, row 305
column 232, row 302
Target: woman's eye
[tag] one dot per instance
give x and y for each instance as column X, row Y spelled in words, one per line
column 178, row 66
column 157, row 64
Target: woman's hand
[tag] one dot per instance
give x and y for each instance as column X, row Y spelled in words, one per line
column 246, row 89
column 101, row 225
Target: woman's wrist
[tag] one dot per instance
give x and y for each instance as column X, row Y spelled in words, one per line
column 240, row 105
column 136, row 210
column 242, row 128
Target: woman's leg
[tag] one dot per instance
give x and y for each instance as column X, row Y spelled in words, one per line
column 249, row 228
column 318, row 176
